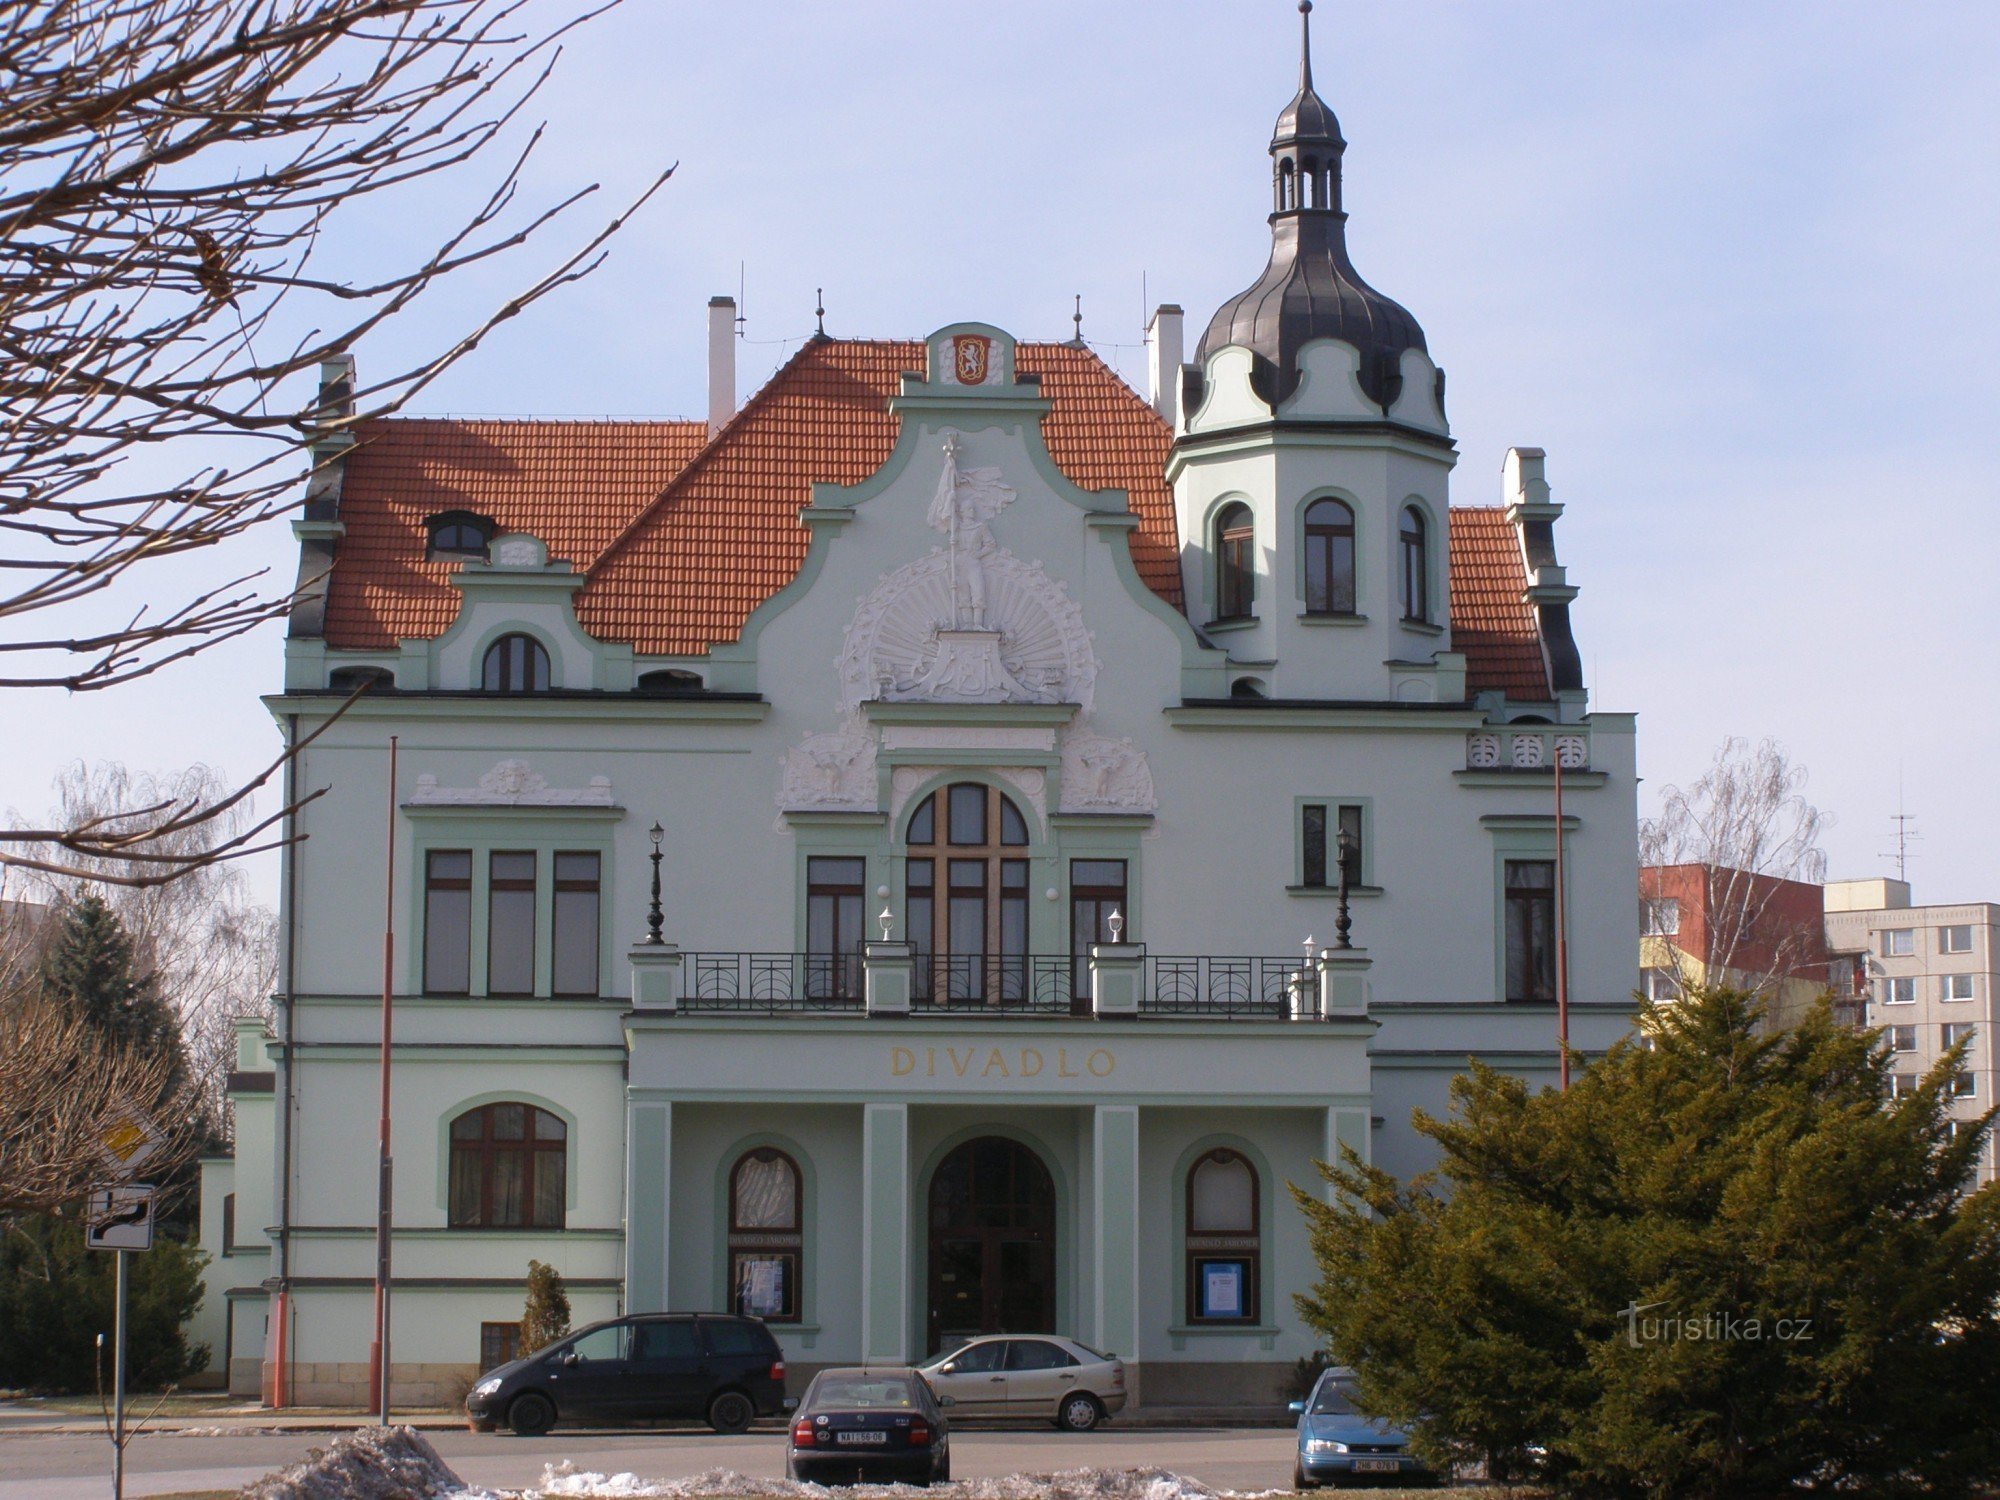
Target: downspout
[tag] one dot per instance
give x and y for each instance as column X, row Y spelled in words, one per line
column 281, row 1377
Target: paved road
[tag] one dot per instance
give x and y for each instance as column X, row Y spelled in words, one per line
column 63, row 1467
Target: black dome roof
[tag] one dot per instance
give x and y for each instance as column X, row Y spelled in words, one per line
column 1310, row 289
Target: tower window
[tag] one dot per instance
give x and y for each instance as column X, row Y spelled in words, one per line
column 1416, row 565
column 516, row 664
column 1329, row 558
column 1236, row 567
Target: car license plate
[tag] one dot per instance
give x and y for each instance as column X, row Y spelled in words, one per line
column 861, row 1439
column 1376, row 1465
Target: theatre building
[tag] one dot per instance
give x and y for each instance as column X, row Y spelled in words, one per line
column 1075, row 813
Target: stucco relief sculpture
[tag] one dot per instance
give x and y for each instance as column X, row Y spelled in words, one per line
column 511, row 783
column 1101, row 774
column 969, row 622
column 835, row 770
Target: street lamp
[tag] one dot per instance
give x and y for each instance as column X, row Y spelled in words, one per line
column 1116, row 922
column 654, row 918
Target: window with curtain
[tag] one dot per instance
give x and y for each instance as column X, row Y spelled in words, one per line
column 509, row 1165
column 966, row 895
column 1531, row 929
column 1224, row 1247
column 516, row 664
column 1329, row 555
column 766, row 1235
column 1416, row 565
column 1235, row 563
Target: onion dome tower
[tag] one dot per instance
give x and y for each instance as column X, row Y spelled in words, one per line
column 1310, row 289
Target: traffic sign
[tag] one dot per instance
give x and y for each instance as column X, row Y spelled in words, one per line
column 128, row 1140
column 120, row 1218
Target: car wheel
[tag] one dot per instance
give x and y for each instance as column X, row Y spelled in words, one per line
column 531, row 1415
column 732, row 1411
column 1079, row 1413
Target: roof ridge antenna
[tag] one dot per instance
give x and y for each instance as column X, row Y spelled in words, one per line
column 1305, row 46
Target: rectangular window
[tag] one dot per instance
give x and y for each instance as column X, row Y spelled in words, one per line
column 1956, row 939
column 1899, row 992
column 833, row 927
column 510, row 923
column 1320, row 843
column 1013, row 975
column 1955, row 987
column 448, row 922
column 1961, row 1086
column 1661, row 917
column 578, row 881
column 1657, row 985
column 1901, row 1085
column 1954, row 1032
column 1899, row 942
column 229, row 1219
column 499, row 1344
column 1902, row 1038
column 1096, row 890
column 1531, row 929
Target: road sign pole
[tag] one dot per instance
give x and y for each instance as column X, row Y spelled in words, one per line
column 118, row 1383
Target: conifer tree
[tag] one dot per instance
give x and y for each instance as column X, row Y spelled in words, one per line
column 1723, row 1264
column 89, row 967
column 547, row 1316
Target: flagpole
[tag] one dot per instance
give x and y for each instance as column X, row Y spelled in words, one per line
column 378, row 1351
column 1562, row 939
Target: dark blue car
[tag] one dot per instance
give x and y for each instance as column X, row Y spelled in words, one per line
column 1337, row 1444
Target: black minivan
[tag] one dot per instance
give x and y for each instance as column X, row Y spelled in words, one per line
column 667, row 1367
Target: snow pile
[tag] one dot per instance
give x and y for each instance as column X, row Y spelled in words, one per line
column 371, row 1463
column 570, row 1483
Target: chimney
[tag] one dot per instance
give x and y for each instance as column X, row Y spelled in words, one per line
column 1163, row 362
column 721, row 362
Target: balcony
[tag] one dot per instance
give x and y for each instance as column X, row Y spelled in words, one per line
column 1159, row 986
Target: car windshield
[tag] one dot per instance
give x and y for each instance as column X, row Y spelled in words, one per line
column 1334, row 1400
column 862, row 1393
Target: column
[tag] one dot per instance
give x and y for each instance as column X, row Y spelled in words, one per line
column 1349, row 1127
column 1115, row 1239
column 885, row 1233
column 649, row 1136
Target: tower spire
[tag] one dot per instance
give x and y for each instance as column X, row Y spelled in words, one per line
column 1305, row 46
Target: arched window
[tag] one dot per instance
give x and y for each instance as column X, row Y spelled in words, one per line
column 509, row 1165
column 1285, row 185
column 516, row 664
column 1224, row 1250
column 966, row 886
column 1329, row 558
column 766, row 1235
column 456, row 534
column 1416, row 556
column 1235, row 563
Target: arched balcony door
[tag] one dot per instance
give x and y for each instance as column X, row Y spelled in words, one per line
column 966, row 887
column 992, row 1243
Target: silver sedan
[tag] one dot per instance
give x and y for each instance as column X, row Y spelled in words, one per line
column 1034, row 1377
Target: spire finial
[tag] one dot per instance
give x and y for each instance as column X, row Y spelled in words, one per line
column 1305, row 46
column 1077, row 318
column 819, row 309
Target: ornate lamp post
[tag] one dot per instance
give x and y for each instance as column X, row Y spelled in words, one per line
column 654, row 919
column 1343, row 920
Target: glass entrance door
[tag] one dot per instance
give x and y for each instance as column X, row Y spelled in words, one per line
column 992, row 1243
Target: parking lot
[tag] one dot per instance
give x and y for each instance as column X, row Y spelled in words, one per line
column 48, row 1466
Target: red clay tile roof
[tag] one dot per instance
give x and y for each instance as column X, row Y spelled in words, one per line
column 1491, row 620
column 682, row 538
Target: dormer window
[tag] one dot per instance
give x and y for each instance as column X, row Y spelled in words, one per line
column 516, row 664
column 456, row 535
column 670, row 680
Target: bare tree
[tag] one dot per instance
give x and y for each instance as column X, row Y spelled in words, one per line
column 211, row 950
column 173, row 175
column 63, row 1084
column 1746, row 833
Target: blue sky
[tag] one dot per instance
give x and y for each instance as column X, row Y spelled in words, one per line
column 1732, row 266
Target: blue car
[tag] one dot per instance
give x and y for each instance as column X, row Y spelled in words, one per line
column 1336, row 1443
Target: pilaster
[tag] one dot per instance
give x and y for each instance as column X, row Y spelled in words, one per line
column 885, row 1233
column 1115, row 1236
column 649, row 1126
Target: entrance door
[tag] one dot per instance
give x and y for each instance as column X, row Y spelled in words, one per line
column 992, row 1243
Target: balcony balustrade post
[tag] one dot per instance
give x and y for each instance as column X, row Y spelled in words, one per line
column 1343, row 983
column 656, row 976
column 888, row 977
column 1117, row 978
